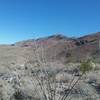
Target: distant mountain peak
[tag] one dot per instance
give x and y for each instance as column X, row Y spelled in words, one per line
column 57, row 36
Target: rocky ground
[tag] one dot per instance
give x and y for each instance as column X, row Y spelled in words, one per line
column 28, row 82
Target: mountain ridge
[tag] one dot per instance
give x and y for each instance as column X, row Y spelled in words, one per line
column 60, row 47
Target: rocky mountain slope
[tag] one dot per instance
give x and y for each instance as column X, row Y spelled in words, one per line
column 59, row 47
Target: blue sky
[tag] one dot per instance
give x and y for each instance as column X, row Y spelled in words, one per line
column 24, row 19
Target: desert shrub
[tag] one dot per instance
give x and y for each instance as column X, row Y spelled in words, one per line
column 86, row 66
column 19, row 95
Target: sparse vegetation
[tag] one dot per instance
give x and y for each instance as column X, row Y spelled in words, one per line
column 49, row 86
column 31, row 75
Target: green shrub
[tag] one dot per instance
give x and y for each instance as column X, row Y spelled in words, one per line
column 86, row 66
